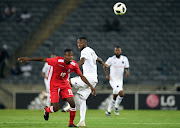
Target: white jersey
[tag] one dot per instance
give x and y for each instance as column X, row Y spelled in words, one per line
column 89, row 66
column 46, row 69
column 117, row 66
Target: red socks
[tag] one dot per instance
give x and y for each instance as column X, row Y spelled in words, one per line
column 49, row 109
column 71, row 110
column 72, row 115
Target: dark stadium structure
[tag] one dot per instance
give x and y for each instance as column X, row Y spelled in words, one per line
column 149, row 36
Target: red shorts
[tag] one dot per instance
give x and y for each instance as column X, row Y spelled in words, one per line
column 55, row 93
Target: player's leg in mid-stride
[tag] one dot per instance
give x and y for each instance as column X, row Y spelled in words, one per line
column 54, row 101
column 84, row 91
column 118, row 101
column 66, row 95
column 118, row 95
column 72, row 111
column 111, row 105
column 51, row 109
column 47, row 93
column 82, row 112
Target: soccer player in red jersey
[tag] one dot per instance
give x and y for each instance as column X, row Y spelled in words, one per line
column 59, row 83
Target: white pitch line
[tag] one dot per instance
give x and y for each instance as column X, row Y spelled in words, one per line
column 148, row 123
column 33, row 122
column 145, row 123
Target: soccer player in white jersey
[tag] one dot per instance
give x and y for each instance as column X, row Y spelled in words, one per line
column 88, row 62
column 117, row 65
column 44, row 73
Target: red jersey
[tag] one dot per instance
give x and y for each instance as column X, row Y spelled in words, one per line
column 59, row 72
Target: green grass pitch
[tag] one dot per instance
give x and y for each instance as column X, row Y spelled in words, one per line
column 94, row 119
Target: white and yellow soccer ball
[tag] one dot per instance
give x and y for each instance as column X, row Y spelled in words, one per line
column 119, row 8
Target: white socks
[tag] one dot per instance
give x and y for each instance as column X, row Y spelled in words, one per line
column 111, row 105
column 118, row 101
column 82, row 110
column 114, row 103
column 51, row 109
column 48, row 102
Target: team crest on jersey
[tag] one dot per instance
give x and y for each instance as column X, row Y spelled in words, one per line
column 122, row 62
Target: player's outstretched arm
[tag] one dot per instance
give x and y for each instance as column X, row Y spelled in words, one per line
column 24, row 59
column 106, row 72
column 87, row 82
column 127, row 72
column 101, row 62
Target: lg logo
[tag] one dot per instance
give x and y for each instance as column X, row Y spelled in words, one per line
column 169, row 101
column 153, row 100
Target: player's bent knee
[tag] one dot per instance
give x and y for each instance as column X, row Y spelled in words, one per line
column 121, row 94
column 72, row 105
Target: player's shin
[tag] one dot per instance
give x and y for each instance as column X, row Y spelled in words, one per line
column 48, row 102
column 111, row 105
column 72, row 115
column 118, row 101
column 82, row 110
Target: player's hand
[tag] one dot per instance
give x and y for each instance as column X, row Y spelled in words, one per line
column 127, row 74
column 23, row 59
column 108, row 77
column 93, row 91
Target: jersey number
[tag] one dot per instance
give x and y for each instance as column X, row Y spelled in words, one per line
column 63, row 74
column 70, row 92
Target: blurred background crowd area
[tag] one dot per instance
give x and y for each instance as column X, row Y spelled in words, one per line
column 148, row 34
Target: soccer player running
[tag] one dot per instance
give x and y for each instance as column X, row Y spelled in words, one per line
column 88, row 62
column 117, row 65
column 45, row 71
column 59, row 84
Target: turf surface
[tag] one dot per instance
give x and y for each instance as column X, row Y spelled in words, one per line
column 94, row 119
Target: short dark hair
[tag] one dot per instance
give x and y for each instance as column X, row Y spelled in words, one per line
column 117, row 46
column 83, row 38
column 67, row 50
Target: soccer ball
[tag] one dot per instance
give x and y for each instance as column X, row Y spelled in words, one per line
column 119, row 8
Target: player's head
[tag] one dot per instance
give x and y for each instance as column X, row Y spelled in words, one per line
column 68, row 56
column 53, row 55
column 82, row 43
column 117, row 51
